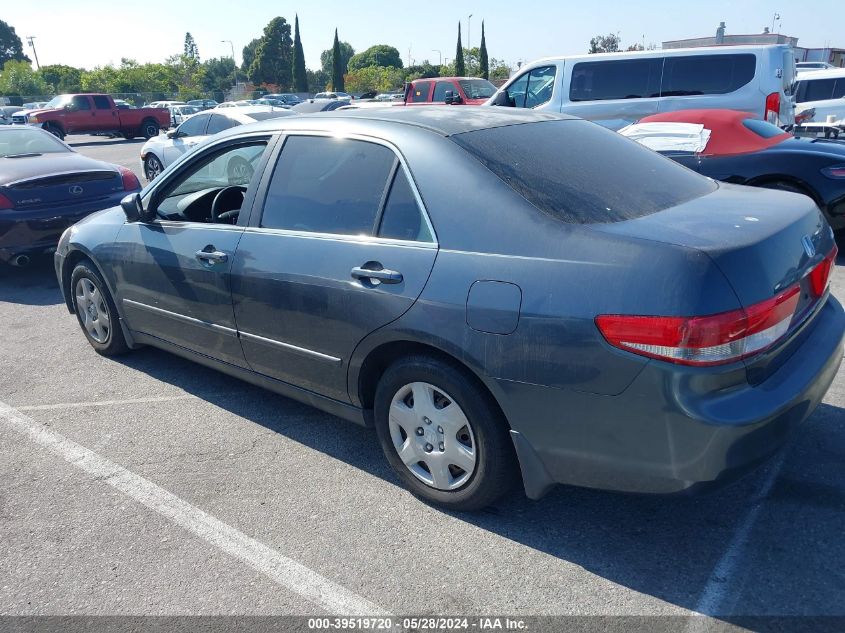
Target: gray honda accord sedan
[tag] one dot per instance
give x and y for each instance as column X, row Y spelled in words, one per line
column 504, row 296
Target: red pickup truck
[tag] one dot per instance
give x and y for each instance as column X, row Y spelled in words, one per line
column 451, row 90
column 96, row 113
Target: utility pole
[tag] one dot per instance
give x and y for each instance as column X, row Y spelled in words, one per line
column 469, row 32
column 434, row 50
column 234, row 66
column 775, row 17
column 31, row 40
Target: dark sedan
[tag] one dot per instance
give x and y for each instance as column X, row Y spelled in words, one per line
column 45, row 186
column 735, row 147
column 495, row 292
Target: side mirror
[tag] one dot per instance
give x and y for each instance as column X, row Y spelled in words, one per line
column 502, row 98
column 134, row 209
column 70, row 107
column 174, row 133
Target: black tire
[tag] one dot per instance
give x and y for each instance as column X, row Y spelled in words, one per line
column 55, row 130
column 152, row 167
column 495, row 469
column 780, row 185
column 113, row 343
column 150, row 129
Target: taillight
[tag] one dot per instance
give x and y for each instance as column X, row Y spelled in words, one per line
column 772, row 113
column 6, row 203
column 703, row 341
column 820, row 275
column 804, row 116
column 837, row 171
column 130, row 180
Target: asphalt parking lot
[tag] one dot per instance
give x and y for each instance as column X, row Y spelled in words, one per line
column 148, row 485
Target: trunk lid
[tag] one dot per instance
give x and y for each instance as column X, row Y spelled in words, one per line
column 763, row 241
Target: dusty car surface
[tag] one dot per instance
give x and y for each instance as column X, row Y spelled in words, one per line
column 496, row 292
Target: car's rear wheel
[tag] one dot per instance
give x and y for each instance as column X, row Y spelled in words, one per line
column 443, row 435
column 96, row 311
column 152, row 167
column 55, row 130
column 149, row 129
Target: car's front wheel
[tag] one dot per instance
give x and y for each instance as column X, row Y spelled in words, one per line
column 96, row 311
column 152, row 167
column 443, row 435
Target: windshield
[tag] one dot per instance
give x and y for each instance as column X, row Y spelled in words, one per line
column 477, row 88
column 59, row 101
column 16, row 140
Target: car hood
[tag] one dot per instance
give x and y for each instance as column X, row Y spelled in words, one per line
column 26, row 167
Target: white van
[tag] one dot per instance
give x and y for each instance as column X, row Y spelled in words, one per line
column 823, row 93
column 616, row 89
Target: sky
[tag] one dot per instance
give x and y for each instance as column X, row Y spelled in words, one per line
column 90, row 33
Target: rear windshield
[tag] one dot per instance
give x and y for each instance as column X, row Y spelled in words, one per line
column 477, row 88
column 582, row 173
column 763, row 128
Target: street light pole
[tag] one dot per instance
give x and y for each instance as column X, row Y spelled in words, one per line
column 234, row 66
column 31, row 39
column 469, row 32
column 434, row 50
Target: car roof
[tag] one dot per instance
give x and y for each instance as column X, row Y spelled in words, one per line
column 444, row 120
column 827, row 73
column 242, row 114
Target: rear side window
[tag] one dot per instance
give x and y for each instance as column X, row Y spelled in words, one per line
column 328, row 185
column 582, row 173
column 617, row 79
column 707, row 74
column 820, row 89
column 402, row 218
column 420, row 92
column 101, row 102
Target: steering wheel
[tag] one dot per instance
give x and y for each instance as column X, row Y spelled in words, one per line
column 232, row 194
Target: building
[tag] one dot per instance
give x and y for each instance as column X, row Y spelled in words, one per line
column 833, row 56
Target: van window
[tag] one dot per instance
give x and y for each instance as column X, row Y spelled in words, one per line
column 581, row 173
column 532, row 89
column 615, row 79
column 707, row 74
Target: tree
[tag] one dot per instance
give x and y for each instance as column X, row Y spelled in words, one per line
column 460, row 68
column 248, row 54
column 11, row 47
column 191, row 51
column 499, row 70
column 605, row 43
column 62, row 78
column 376, row 78
column 483, row 61
column 273, row 63
column 300, row 77
column 378, row 55
column 327, row 57
column 337, row 69
column 317, row 80
column 218, row 74
column 18, row 78
column 422, row 71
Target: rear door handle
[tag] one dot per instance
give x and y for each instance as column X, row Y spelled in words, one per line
column 383, row 275
column 212, row 256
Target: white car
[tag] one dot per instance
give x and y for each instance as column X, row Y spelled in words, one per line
column 161, row 151
column 180, row 114
column 820, row 96
column 164, row 104
column 803, row 67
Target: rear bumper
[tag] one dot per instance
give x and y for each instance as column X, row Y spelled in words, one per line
column 673, row 430
column 37, row 232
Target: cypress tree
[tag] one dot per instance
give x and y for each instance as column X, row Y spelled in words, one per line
column 300, row 79
column 460, row 67
column 482, row 54
column 337, row 65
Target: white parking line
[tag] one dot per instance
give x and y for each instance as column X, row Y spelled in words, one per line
column 719, row 586
column 102, row 403
column 279, row 568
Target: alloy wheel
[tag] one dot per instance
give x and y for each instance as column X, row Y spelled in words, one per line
column 92, row 310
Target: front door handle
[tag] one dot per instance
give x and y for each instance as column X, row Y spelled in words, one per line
column 380, row 274
column 211, row 255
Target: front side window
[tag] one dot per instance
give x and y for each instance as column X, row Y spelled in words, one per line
column 328, row 185
column 81, row 103
column 533, row 88
column 195, row 126
column 707, row 74
column 616, row 79
column 101, row 102
column 420, row 92
column 189, row 196
column 218, row 123
column 440, row 90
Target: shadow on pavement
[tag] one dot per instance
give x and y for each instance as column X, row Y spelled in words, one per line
column 103, row 142
column 35, row 284
column 666, row 547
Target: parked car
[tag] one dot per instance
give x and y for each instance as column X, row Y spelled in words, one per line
column 334, row 95
column 390, row 96
column 7, row 114
column 532, row 329
column 276, row 103
column 819, row 95
column 802, row 67
column 159, row 152
column 319, row 105
column 34, row 105
column 450, row 90
column 734, row 147
column 164, row 104
column 617, row 89
column 123, row 105
column 203, row 104
column 95, row 114
column 45, row 186
column 287, row 98
column 179, row 114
